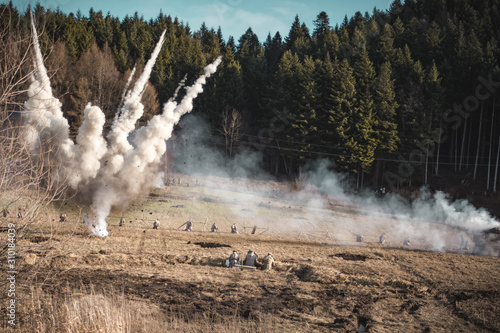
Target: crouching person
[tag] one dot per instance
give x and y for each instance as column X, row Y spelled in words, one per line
column 268, row 262
column 234, row 259
column 251, row 259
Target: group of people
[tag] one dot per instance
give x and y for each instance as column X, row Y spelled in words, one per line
column 21, row 212
column 251, row 260
column 382, row 239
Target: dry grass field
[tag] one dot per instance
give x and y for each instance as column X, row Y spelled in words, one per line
column 169, row 280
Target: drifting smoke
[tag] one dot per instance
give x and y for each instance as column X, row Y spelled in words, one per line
column 320, row 201
column 111, row 172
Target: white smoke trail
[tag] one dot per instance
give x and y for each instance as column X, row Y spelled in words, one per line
column 113, row 182
column 181, row 84
column 131, row 111
column 46, row 129
column 124, row 94
column 43, row 116
column 139, row 169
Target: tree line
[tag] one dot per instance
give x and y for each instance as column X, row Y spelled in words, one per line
column 392, row 97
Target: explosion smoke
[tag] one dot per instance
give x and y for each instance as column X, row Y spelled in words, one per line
column 44, row 119
column 128, row 167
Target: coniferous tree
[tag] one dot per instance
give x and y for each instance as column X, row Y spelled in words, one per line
column 385, row 127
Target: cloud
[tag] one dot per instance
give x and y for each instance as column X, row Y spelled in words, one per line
column 288, row 9
column 235, row 20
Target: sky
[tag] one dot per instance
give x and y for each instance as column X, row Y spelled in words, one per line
column 233, row 16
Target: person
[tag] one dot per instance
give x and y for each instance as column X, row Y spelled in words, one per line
column 6, row 212
column 20, row 212
column 233, row 229
column 464, row 244
column 250, row 259
column 359, row 238
column 268, row 262
column 189, row 226
column 233, row 259
column 62, row 217
column 122, row 222
column 214, row 228
column 382, row 238
column 407, row 241
column 156, row 224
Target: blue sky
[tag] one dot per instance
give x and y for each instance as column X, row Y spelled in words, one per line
column 233, row 16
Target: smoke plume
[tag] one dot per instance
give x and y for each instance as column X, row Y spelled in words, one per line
column 112, row 172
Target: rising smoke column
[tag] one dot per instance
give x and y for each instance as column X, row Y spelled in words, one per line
column 90, row 147
column 131, row 111
column 124, row 94
column 140, row 167
column 43, row 118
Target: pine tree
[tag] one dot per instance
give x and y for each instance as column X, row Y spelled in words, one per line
column 385, row 127
column 304, row 127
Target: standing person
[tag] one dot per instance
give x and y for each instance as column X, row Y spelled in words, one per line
column 214, row 228
column 250, row 259
column 156, row 224
column 268, row 262
column 382, row 238
column 234, row 230
column 122, row 222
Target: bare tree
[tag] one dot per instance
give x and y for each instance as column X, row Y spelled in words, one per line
column 28, row 184
column 231, row 126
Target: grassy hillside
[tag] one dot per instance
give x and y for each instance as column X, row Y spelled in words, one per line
column 144, row 280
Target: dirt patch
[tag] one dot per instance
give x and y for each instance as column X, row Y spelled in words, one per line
column 39, row 239
column 211, row 245
column 350, row 256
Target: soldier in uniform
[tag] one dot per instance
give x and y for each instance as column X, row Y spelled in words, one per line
column 268, row 262
column 382, row 238
column 122, row 222
column 234, row 230
column 250, row 259
column 156, row 224
column 62, row 217
column 407, row 241
column 233, row 259
column 359, row 238
column 214, row 228
column 189, row 226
